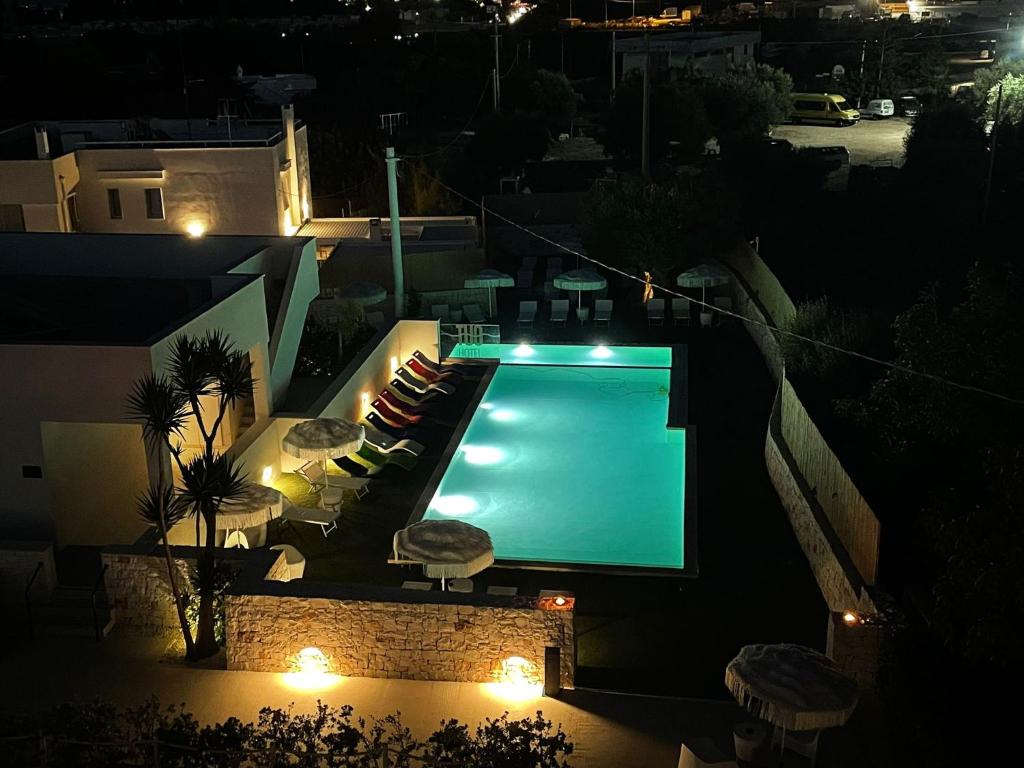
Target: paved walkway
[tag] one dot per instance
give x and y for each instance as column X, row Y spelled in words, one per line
column 608, row 729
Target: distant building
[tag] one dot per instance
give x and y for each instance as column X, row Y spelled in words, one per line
column 157, row 177
column 704, row 51
column 82, row 318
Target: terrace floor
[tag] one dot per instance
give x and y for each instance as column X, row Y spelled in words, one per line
column 653, row 635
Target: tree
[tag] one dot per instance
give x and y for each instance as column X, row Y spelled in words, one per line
column 839, row 327
column 1011, row 103
column 976, row 98
column 201, row 370
column 427, row 196
column 678, row 123
column 504, row 143
column 542, row 95
column 743, row 104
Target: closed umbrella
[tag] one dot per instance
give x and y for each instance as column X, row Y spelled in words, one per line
column 490, row 279
column 256, row 506
column 323, row 439
column 703, row 276
column 792, row 687
column 580, row 280
column 447, row 549
column 363, row 294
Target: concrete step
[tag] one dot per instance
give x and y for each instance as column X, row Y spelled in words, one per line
column 69, row 612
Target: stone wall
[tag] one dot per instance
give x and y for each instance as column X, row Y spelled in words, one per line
column 856, row 647
column 416, row 640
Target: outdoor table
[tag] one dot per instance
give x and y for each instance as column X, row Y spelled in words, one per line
column 251, row 514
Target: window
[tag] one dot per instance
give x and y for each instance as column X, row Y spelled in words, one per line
column 73, row 212
column 809, row 106
column 154, row 203
column 11, row 219
column 114, row 203
column 31, row 471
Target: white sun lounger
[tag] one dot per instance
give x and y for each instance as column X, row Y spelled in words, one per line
column 386, row 444
column 656, row 312
column 603, row 311
column 473, row 313
column 527, row 312
column 559, row 311
column 327, row 519
column 441, row 312
column 422, row 386
column 680, row 311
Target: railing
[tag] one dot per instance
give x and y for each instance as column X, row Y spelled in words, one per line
column 469, row 334
column 28, row 599
column 92, row 600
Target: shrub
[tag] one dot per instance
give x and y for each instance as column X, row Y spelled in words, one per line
column 816, row 319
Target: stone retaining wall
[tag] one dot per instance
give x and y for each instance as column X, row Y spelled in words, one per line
column 856, row 648
column 380, row 638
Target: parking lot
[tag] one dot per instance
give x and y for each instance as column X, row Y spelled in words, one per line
column 870, row 142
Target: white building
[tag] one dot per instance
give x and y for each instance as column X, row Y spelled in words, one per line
column 703, row 51
column 157, row 177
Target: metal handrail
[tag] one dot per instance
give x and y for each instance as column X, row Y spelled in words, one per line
column 28, row 599
column 92, row 600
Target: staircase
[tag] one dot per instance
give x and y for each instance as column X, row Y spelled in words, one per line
column 246, row 417
column 73, row 612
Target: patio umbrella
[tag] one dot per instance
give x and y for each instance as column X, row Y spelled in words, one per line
column 363, row 294
column 703, row 276
column 580, row 280
column 448, row 549
column 490, row 279
column 256, row 505
column 790, row 686
column 323, row 439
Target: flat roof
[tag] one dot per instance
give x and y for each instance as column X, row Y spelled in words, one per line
column 422, row 228
column 685, row 41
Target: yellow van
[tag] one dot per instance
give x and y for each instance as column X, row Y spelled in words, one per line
column 822, row 107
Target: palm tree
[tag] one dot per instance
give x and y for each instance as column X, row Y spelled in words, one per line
column 200, row 369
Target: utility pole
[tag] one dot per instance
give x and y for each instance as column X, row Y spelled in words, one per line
column 992, row 153
column 614, row 63
column 497, row 68
column 645, row 144
column 396, row 233
column 863, row 53
column 881, row 63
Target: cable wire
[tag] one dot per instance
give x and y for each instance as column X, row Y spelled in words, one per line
column 743, row 318
column 472, row 117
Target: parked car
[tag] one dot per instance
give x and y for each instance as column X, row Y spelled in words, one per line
column 878, row 109
column 823, row 107
column 908, row 106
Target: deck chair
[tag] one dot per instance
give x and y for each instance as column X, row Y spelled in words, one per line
column 529, row 262
column 423, row 386
column 465, row 586
column 524, row 277
column 680, row 311
column 314, row 473
column 559, row 311
column 473, row 314
column 441, row 312
column 438, row 368
column 419, row 586
column 527, row 313
column 656, row 312
column 387, row 444
column 327, row 519
column 554, row 266
column 377, row 422
column 603, row 311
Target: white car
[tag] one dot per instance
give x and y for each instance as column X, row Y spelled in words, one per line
column 878, row 109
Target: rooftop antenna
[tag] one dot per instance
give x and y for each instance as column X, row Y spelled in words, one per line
column 224, row 111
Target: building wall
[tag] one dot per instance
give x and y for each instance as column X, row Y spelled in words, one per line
column 425, row 270
column 18, row 561
column 36, row 186
column 56, row 384
column 229, row 191
column 856, row 648
column 378, row 638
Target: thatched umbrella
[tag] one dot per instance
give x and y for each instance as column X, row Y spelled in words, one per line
column 490, row 279
column 447, row 549
column 323, row 439
column 704, row 276
column 792, row 687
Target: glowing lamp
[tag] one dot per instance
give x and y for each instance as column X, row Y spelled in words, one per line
column 394, row 364
column 555, row 600
column 195, row 229
column 504, row 414
column 482, row 454
column 850, row 617
column 524, row 350
column 305, row 205
column 267, row 475
column 454, row 505
column 310, row 671
column 364, row 398
column 601, row 352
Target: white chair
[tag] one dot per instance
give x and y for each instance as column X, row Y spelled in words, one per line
column 318, row 479
column 499, row 591
column 702, row 752
column 236, row 540
column 294, row 560
column 603, row 311
column 527, row 313
column 465, row 586
column 559, row 311
column 473, row 313
column 656, row 312
column 441, row 312
column 418, row 586
column 327, row 519
column 680, row 311
column 386, row 443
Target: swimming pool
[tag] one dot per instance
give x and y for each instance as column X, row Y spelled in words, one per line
column 568, row 460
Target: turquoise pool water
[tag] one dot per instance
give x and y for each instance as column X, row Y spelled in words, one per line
column 574, row 464
column 564, row 354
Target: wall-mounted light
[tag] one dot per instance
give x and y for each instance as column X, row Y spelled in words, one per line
column 267, row 475
column 310, row 670
column 850, row 617
column 195, row 228
column 555, row 600
column 394, row 364
column 364, row 399
column 305, row 210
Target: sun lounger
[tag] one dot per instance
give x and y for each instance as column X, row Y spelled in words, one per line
column 400, row 405
column 419, row 586
column 368, row 455
column 524, row 278
column 473, row 313
column 398, row 432
column 356, row 469
column 602, row 311
column 441, row 312
column 327, row 519
column 527, row 312
column 422, row 386
column 465, row 586
column 656, row 312
column 438, row 368
column 419, row 371
column 529, row 262
column 387, row 444
column 391, row 416
column 559, row 311
column 680, row 311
